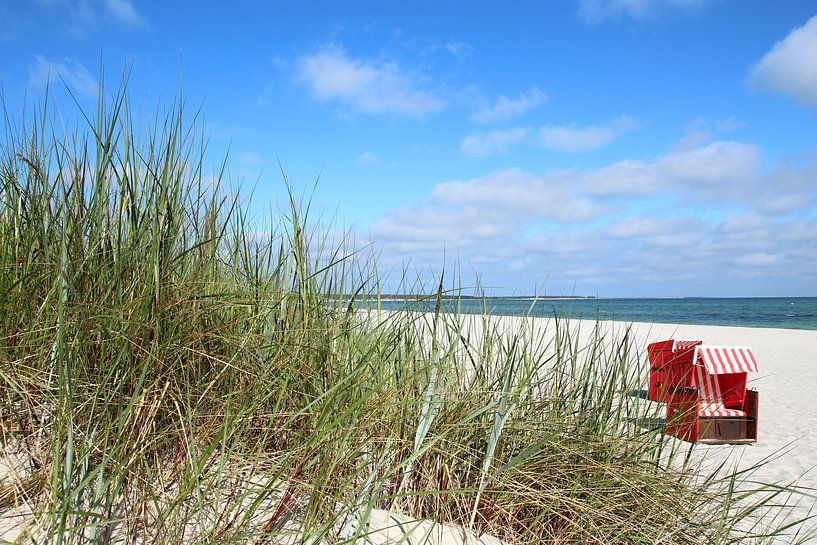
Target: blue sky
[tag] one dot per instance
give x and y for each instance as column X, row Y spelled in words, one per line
column 612, row 148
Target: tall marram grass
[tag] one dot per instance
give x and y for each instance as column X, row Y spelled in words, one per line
column 173, row 372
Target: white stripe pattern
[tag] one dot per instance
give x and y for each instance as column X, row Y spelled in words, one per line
column 684, row 345
column 720, row 360
column 710, row 397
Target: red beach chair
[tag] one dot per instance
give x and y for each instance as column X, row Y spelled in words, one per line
column 670, row 367
column 717, row 408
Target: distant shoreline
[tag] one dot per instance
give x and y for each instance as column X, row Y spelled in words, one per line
column 778, row 312
column 392, row 297
column 425, row 297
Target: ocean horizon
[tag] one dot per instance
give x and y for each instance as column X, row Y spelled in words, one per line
column 774, row 312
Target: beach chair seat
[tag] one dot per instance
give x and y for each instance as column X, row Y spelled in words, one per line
column 711, row 396
column 716, row 407
column 721, row 412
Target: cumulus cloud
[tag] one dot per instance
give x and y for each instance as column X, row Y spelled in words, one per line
column 428, row 230
column 514, row 196
column 482, row 144
column 692, row 217
column 504, row 108
column 73, row 73
column 707, row 169
column 716, row 162
column 595, row 11
column 566, row 138
column 574, row 139
column 124, row 12
column 366, row 86
column 758, row 259
column 649, row 226
column 565, row 243
column 519, row 194
column 790, row 185
column 790, row 67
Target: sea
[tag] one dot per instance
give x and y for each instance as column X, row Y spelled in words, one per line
column 777, row 312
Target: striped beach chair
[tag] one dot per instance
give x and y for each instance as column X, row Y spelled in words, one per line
column 717, row 407
column 670, row 367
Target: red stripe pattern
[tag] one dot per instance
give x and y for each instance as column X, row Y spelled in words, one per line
column 729, row 413
column 684, row 345
column 721, row 360
column 711, row 400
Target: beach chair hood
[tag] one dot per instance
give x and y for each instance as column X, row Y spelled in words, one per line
column 721, row 360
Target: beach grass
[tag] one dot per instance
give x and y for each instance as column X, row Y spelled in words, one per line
column 173, row 370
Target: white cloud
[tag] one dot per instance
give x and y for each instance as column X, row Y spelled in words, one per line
column 482, row 144
column 571, row 244
column 428, row 230
column 518, row 193
column 728, row 124
column 629, row 177
column 574, row 139
column 742, row 223
column 642, row 226
column 73, row 73
column 706, row 169
column 692, row 221
column 716, row 162
column 790, row 67
column 677, row 240
column 366, row 158
column 568, row 138
column 513, row 197
column 124, row 12
column 594, row 11
column 366, row 86
column 506, row 108
column 757, row 259
column 790, row 185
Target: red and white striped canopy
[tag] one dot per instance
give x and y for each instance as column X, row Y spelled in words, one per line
column 684, row 345
column 720, row 360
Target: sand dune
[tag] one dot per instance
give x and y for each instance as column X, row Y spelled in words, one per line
column 787, row 383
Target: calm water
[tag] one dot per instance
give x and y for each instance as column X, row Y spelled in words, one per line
column 782, row 312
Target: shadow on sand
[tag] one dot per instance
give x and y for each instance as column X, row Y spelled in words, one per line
column 645, row 423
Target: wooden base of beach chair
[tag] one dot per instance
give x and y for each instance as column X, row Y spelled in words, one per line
column 685, row 423
column 727, row 430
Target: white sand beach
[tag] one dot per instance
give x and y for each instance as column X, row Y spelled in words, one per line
column 787, row 387
column 785, row 452
column 786, row 382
